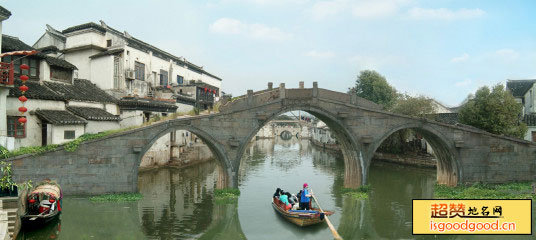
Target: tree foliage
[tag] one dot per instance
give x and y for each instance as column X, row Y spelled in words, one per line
column 372, row 86
column 495, row 111
column 413, row 106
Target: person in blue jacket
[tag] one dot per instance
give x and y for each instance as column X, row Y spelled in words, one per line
column 305, row 198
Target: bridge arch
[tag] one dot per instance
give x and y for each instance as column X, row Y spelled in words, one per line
column 350, row 147
column 449, row 170
column 218, row 151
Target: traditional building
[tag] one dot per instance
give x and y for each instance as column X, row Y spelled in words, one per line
column 524, row 91
column 6, row 83
column 123, row 65
column 61, row 107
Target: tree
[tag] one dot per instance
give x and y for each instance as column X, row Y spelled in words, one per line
column 372, row 86
column 413, row 106
column 495, row 111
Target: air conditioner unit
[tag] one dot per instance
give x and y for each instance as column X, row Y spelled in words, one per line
column 130, row 74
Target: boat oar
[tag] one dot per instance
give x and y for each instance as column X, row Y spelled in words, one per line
column 333, row 231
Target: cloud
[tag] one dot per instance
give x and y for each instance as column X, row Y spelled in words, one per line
column 359, row 9
column 323, row 9
column 376, row 9
column 507, row 54
column 445, row 14
column 375, row 62
column 320, row 54
column 255, row 30
column 464, row 57
column 463, row 83
column 267, row 2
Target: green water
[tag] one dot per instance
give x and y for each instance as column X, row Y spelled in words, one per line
column 178, row 203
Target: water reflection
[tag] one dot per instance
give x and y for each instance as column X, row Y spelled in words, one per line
column 178, row 203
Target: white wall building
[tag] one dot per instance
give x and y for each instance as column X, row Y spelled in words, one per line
column 5, row 84
column 524, row 91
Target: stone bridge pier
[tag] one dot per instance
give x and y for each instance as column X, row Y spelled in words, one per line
column 109, row 165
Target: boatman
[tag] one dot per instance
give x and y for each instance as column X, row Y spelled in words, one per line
column 305, row 198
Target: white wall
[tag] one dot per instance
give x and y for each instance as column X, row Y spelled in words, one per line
column 101, row 126
column 182, row 108
column 81, row 60
column 530, row 107
column 84, row 38
column 58, row 132
column 131, row 118
column 3, row 102
column 102, row 72
column 48, row 40
column 528, row 135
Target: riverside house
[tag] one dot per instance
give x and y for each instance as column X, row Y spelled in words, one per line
column 524, row 91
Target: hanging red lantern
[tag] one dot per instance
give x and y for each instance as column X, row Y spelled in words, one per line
column 24, row 67
column 23, row 99
column 23, row 88
column 22, row 120
column 23, row 109
column 23, row 78
column 205, row 89
column 214, row 91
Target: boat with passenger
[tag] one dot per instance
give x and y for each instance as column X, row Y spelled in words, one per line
column 43, row 204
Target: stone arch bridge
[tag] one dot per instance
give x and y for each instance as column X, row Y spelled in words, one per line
column 108, row 165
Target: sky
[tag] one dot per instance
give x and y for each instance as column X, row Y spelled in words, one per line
column 443, row 49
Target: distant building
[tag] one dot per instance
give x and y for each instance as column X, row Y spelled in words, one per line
column 123, row 65
column 524, row 91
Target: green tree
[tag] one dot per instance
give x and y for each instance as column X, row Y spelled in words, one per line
column 372, row 86
column 413, row 106
column 495, row 111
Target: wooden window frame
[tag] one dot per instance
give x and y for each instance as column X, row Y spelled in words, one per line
column 69, row 131
column 13, row 120
column 139, row 70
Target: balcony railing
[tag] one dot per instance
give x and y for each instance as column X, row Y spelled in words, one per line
column 6, row 73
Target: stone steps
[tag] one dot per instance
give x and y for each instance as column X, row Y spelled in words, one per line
column 9, row 209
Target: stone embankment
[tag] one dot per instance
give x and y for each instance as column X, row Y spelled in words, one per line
column 418, row 160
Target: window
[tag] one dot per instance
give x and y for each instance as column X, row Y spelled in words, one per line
column 68, row 134
column 139, row 69
column 17, row 61
column 14, row 128
column 163, row 78
column 64, row 75
column 109, row 43
column 180, row 79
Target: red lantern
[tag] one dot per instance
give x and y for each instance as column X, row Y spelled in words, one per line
column 22, row 120
column 23, row 88
column 31, row 200
column 23, row 99
column 23, row 109
column 23, row 78
column 206, row 89
column 24, row 67
column 214, row 91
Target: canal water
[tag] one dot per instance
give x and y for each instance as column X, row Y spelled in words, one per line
column 179, row 203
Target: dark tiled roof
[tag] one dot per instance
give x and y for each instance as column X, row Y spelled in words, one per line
column 106, row 53
column 85, row 26
column 131, row 103
column 59, row 117
column 52, row 61
column 35, row 91
column 530, row 119
column 81, row 90
column 95, row 114
column 5, row 12
column 448, row 118
column 48, row 49
column 519, row 87
column 10, row 43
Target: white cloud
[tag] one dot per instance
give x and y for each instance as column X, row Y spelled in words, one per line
column 267, row 2
column 376, row 9
column 256, row 30
column 507, row 54
column 320, row 54
column 464, row 57
column 445, row 14
column 323, row 9
column 463, row 83
column 375, row 62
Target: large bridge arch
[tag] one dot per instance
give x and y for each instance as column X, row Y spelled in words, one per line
column 218, row 151
column 449, row 170
column 350, row 147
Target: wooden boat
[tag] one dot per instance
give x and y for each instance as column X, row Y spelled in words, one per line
column 43, row 204
column 300, row 217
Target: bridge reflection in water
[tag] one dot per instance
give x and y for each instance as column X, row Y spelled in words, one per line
column 178, row 203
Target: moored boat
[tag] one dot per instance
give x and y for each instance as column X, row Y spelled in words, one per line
column 43, row 204
column 300, row 217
